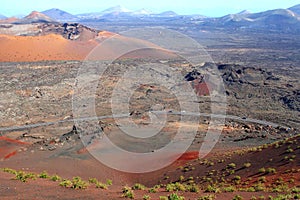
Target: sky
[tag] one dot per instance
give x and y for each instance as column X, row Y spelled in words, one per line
column 211, row 8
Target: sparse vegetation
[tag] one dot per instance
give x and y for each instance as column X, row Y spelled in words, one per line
column 146, row 197
column 212, row 189
column 231, row 166
column 237, row 197
column 44, row 174
column 127, row 192
column 247, row 165
column 138, row 186
column 101, row 185
column 175, row 196
column 207, row 197
column 55, row 178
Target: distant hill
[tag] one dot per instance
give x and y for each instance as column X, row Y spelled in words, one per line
column 272, row 20
column 35, row 17
column 167, row 14
column 142, row 12
column 295, row 9
column 2, row 17
column 59, row 15
column 107, row 13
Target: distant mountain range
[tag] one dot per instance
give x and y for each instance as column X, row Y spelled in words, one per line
column 295, row 9
column 34, row 17
column 285, row 19
column 2, row 17
column 59, row 15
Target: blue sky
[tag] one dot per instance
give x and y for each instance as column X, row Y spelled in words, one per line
column 204, row 7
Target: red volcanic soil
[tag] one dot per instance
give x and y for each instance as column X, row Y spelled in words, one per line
column 192, row 155
column 9, row 147
column 76, row 161
column 2, row 138
column 55, row 47
column 281, row 156
column 38, row 48
column 200, row 88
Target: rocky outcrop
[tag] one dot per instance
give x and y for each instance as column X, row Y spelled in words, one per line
column 292, row 100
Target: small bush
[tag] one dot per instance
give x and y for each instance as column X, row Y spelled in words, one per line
column 180, row 187
column 250, row 189
column 93, row 180
column 181, row 178
column 262, row 170
column 55, row 178
column 207, row 197
column 78, row 183
column 174, row 196
column 271, row 170
column 127, row 192
column 237, row 197
column 138, row 186
column 289, row 150
column 66, row 183
column 43, row 174
column 229, row 189
column 262, row 179
column 9, row 170
column 259, row 187
column 109, row 182
column 152, row 190
column 193, row 188
column 247, row 165
column 231, row 166
column 23, row 176
column 211, row 188
column 146, row 197
column 101, row 185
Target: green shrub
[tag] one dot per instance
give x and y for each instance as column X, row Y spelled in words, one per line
column 229, row 189
column 193, row 188
column 181, row 178
column 109, row 182
column 271, row 170
column 78, row 183
column 43, row 174
column 295, row 190
column 259, row 187
column 250, row 189
column 146, row 197
column 170, row 187
column 237, row 197
column 9, row 170
column 101, row 185
column 262, row 170
column 174, row 196
column 55, row 178
column 127, row 192
column 231, row 166
column 180, row 187
column 212, row 188
column 138, row 186
column 66, row 183
column 262, row 179
column 207, row 197
column 23, row 176
column 247, row 165
column 93, row 180
column 152, row 190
